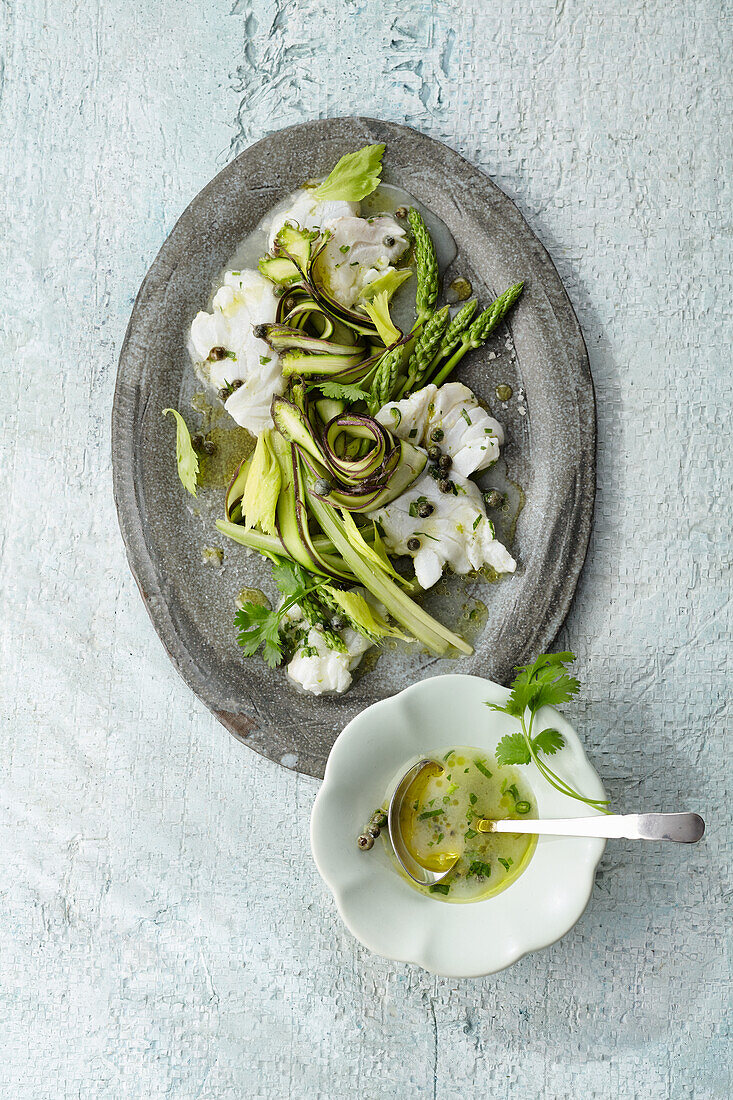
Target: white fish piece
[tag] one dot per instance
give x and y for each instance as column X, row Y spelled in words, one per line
column 359, row 251
column 245, row 299
column 326, row 670
column 471, row 436
column 308, row 212
column 458, row 533
column 408, row 418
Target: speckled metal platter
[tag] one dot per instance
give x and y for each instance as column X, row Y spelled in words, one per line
column 548, row 463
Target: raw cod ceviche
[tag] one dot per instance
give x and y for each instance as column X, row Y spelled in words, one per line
column 365, row 443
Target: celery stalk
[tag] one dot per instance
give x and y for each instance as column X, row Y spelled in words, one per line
column 422, row 626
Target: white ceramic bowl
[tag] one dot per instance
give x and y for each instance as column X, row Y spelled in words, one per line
column 380, row 907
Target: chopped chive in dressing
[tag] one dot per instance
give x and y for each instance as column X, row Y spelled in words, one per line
column 479, row 869
column 439, row 818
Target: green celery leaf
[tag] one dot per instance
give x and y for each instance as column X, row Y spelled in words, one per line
column 378, row 310
column 188, row 463
column 357, row 611
column 388, row 283
column 262, row 489
column 354, row 177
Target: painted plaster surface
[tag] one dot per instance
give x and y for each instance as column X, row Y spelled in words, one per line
column 163, row 933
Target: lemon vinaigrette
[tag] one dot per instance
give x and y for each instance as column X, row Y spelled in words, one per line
column 438, row 819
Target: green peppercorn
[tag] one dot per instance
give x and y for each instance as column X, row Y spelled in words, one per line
column 445, row 462
column 259, row 331
column 379, row 818
column 209, row 448
column 365, row 842
column 434, row 453
column 425, row 509
column 388, row 242
column 373, row 830
column 437, row 435
column 401, row 212
column 217, row 353
column 445, row 486
column 322, row 487
column 338, row 622
column 413, row 544
column 435, row 472
column 197, row 441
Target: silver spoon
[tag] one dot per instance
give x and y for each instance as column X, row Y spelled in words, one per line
column 683, row 828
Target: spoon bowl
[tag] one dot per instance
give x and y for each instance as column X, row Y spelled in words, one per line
column 418, row 872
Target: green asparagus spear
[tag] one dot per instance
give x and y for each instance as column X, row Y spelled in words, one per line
column 425, row 347
column 453, row 333
column 426, row 265
column 478, row 333
column 385, row 377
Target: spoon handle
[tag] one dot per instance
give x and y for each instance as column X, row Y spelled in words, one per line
column 682, row 828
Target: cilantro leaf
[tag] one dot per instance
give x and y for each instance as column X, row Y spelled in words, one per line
column 341, row 391
column 355, row 176
column 546, row 682
column 289, row 577
column 512, row 749
column 258, row 626
column 186, row 457
column 548, row 741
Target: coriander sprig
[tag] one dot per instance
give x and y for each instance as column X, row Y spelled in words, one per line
column 546, row 682
column 259, row 626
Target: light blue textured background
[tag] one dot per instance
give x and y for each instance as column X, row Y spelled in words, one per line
column 163, row 931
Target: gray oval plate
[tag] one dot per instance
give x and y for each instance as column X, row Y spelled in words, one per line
column 550, row 452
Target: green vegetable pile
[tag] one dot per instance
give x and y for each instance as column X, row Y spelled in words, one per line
column 359, row 354
column 302, row 498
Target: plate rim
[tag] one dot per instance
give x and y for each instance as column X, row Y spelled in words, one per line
column 126, row 414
